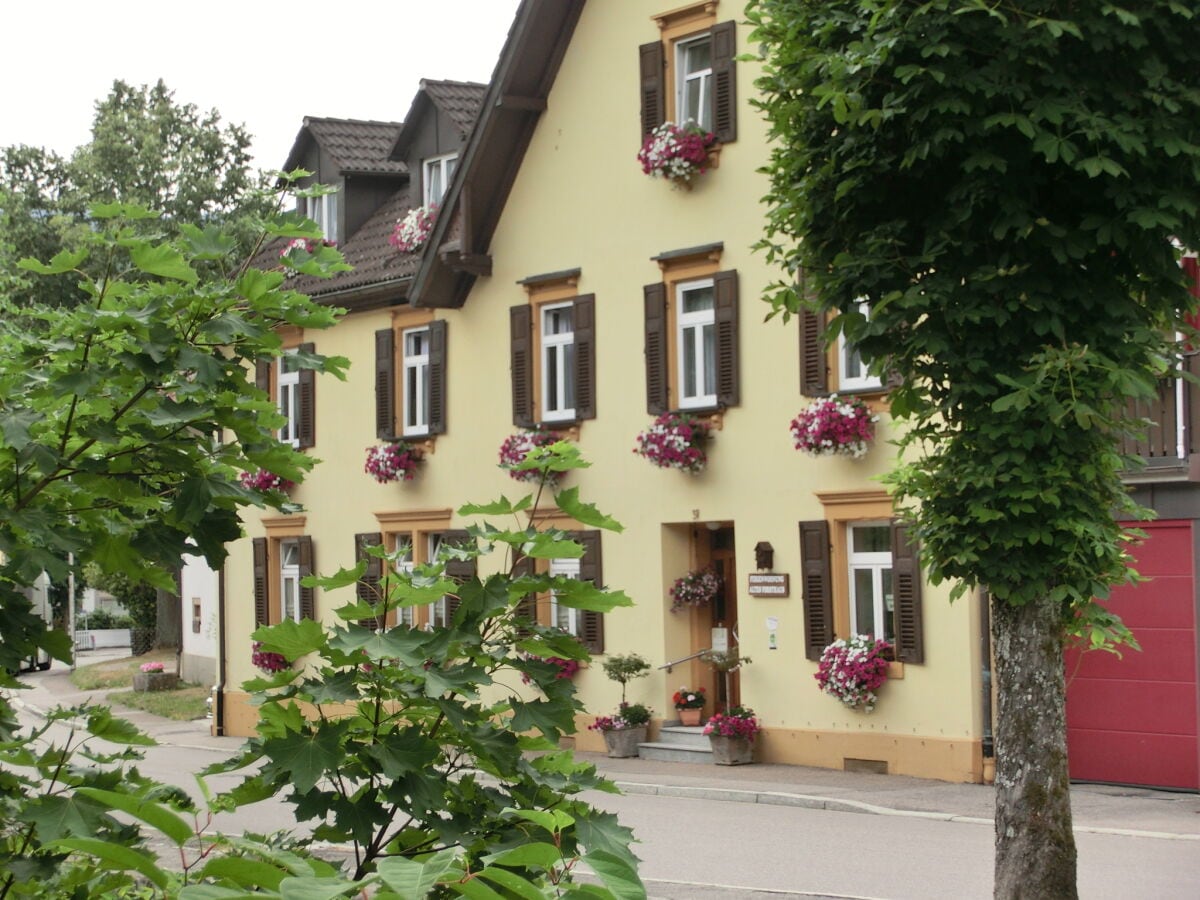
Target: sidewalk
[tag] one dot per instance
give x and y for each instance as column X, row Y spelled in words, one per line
column 1101, row 809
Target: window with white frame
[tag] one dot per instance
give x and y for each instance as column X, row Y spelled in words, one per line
column 697, row 341
column 558, row 362
column 324, row 211
column 438, row 171
column 288, row 399
column 289, row 580
column 693, row 81
column 852, row 371
column 872, row 598
column 416, row 381
column 566, row 618
column 405, row 615
column 439, row 610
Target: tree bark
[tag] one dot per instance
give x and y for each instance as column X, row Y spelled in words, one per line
column 1035, row 846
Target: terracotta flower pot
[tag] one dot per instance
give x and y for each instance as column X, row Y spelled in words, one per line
column 690, row 716
column 731, row 751
column 624, row 742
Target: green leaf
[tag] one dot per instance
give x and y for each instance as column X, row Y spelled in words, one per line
column 15, row 423
column 585, row 595
column 103, row 724
column 211, row 243
column 118, row 857
column 539, row 854
column 618, row 875
column 309, row 888
column 501, row 507
column 413, row 878
column 249, row 873
column 584, row 513
column 163, row 261
column 546, row 546
column 304, row 758
column 340, row 579
column 511, row 882
column 65, row 261
column 156, row 815
column 292, row 639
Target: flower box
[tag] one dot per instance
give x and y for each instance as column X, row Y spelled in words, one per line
column 831, row 427
column 675, row 441
column 731, row 751
column 623, row 743
column 679, row 153
column 413, row 230
column 853, row 670
column 516, row 447
column 392, row 462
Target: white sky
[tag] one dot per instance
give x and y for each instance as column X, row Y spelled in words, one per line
column 264, row 65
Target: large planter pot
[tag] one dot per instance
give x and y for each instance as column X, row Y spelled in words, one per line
column 624, row 742
column 731, row 751
column 155, row 681
column 690, row 716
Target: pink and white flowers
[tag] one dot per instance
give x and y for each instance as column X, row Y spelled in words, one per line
column 677, row 152
column 151, row 667
column 832, row 426
column 392, row 462
column 698, row 588
column 413, row 230
column 675, row 441
column 738, row 722
column 267, row 660
column 262, row 480
column 852, row 670
column 518, row 446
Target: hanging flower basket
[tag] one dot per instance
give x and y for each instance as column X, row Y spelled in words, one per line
column 262, row 480
column 678, row 153
column 413, row 230
column 392, row 462
column 853, row 670
column 267, row 660
column 517, row 446
column 698, row 588
column 831, row 426
column 675, row 441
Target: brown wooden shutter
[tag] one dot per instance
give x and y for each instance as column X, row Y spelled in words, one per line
column 818, row 587
column 308, row 609
column 385, row 384
column 306, row 428
column 527, row 606
column 262, row 611
column 367, row 587
column 906, row 582
column 262, row 374
column 725, row 289
column 657, row 380
column 459, row 568
column 724, row 75
column 584, row 314
column 520, row 326
column 591, row 626
column 437, row 377
column 814, row 374
column 653, row 77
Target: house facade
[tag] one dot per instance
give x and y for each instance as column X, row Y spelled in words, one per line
column 564, row 288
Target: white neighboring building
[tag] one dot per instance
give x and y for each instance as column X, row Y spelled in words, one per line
column 199, row 587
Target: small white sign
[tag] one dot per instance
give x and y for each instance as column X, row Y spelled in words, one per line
column 720, row 640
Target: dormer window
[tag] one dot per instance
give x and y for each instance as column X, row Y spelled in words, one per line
column 324, row 211
column 438, row 171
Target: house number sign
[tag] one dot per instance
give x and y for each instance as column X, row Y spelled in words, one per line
column 768, row 584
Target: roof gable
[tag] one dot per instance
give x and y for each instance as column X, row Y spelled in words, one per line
column 358, row 146
column 458, row 100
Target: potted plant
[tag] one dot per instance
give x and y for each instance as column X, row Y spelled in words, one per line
column 678, row 153
column 624, row 731
column 697, row 588
column 516, row 447
column 831, row 426
column 267, row 660
column 413, row 230
column 690, row 704
column 853, row 670
column 153, row 678
column 675, row 441
column 731, row 736
column 725, row 662
column 392, row 462
column 264, row 481
column 624, row 667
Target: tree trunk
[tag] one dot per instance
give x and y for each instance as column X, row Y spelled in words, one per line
column 1035, row 846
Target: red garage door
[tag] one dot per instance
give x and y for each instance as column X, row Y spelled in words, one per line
column 1133, row 720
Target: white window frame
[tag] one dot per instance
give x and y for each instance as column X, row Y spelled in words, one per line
column 690, row 328
column 444, row 167
column 287, row 399
column 565, row 568
column 684, row 78
column 324, row 211
column 877, row 563
column 556, row 346
column 415, row 384
column 438, row 616
column 405, row 615
column 848, row 355
column 289, row 575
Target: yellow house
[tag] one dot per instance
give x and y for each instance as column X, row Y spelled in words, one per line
column 564, row 288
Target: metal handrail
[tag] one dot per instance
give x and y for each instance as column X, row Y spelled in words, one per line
column 698, row 653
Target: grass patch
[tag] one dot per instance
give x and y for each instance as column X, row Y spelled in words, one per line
column 184, row 703
column 117, row 673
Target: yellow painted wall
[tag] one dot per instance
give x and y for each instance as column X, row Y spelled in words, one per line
column 582, row 201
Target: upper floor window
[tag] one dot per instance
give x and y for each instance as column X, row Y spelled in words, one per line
column 836, row 366
column 693, row 67
column 416, row 381
column 697, row 342
column 558, row 362
column 690, row 72
column 852, row 371
column 565, row 618
column 287, row 400
column 324, row 211
column 437, row 173
column 293, row 389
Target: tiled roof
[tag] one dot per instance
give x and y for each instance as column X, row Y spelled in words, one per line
column 358, row 145
column 460, row 100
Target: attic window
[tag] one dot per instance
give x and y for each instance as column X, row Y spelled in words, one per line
column 324, row 211
column 437, row 171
